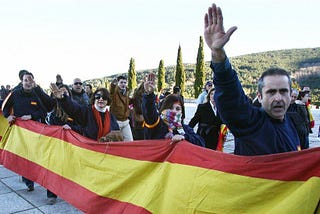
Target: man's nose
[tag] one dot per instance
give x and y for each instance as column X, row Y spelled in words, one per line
column 277, row 96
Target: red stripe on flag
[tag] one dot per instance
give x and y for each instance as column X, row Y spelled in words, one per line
column 78, row 196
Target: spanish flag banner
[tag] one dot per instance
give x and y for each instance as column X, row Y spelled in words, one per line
column 155, row 176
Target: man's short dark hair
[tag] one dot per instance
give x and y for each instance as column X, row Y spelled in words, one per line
column 89, row 85
column 27, row 73
column 21, row 73
column 272, row 72
column 176, row 89
column 121, row 77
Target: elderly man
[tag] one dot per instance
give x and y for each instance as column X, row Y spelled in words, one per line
column 257, row 131
column 78, row 93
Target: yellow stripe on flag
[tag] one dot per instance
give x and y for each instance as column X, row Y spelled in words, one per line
column 3, row 129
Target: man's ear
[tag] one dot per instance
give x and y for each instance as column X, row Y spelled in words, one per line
column 259, row 97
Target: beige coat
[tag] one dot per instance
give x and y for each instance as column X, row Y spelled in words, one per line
column 119, row 103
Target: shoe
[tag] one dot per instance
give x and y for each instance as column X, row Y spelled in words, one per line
column 30, row 189
column 51, row 201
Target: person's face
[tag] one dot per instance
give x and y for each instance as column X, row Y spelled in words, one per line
column 77, row 85
column 177, row 108
column 87, row 89
column 208, row 87
column 100, row 99
column 27, row 82
column 275, row 98
column 122, row 83
column 65, row 91
column 305, row 99
column 211, row 97
column 294, row 97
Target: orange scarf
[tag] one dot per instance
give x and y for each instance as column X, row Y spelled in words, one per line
column 105, row 127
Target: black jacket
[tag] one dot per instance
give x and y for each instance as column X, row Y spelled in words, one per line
column 27, row 103
column 208, row 124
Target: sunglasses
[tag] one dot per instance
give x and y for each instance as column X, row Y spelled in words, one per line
column 98, row 96
column 77, row 83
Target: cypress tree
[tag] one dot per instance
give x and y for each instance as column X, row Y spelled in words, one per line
column 161, row 76
column 200, row 75
column 180, row 77
column 132, row 76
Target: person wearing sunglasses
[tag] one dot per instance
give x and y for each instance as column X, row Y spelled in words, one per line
column 96, row 120
column 78, row 93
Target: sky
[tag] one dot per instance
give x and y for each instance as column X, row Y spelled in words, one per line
column 96, row 38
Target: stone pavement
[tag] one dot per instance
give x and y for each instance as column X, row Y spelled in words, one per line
column 15, row 198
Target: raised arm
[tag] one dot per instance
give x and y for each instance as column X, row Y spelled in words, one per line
column 214, row 33
column 149, row 109
column 73, row 109
column 233, row 105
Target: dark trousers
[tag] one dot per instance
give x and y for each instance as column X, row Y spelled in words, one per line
column 28, row 182
column 51, row 194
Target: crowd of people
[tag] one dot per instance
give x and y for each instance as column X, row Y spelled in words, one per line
column 279, row 120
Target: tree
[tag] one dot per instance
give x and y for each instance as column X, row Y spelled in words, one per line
column 180, row 77
column 132, row 77
column 161, row 76
column 200, row 74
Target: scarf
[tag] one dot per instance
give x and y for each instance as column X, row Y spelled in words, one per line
column 104, row 128
column 173, row 121
column 103, row 110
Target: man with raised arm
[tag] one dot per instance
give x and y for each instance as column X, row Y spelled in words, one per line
column 257, row 131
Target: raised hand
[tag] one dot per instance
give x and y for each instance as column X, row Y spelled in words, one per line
column 214, row 33
column 57, row 93
column 11, row 119
column 114, row 81
column 149, row 85
column 177, row 138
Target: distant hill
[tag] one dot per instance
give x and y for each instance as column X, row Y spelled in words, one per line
column 303, row 65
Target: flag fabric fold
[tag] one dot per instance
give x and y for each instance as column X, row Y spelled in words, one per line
column 155, row 176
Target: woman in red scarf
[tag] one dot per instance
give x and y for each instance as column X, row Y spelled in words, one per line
column 96, row 120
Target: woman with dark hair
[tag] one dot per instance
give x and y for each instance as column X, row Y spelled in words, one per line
column 96, row 121
column 208, row 121
column 202, row 97
column 167, row 125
